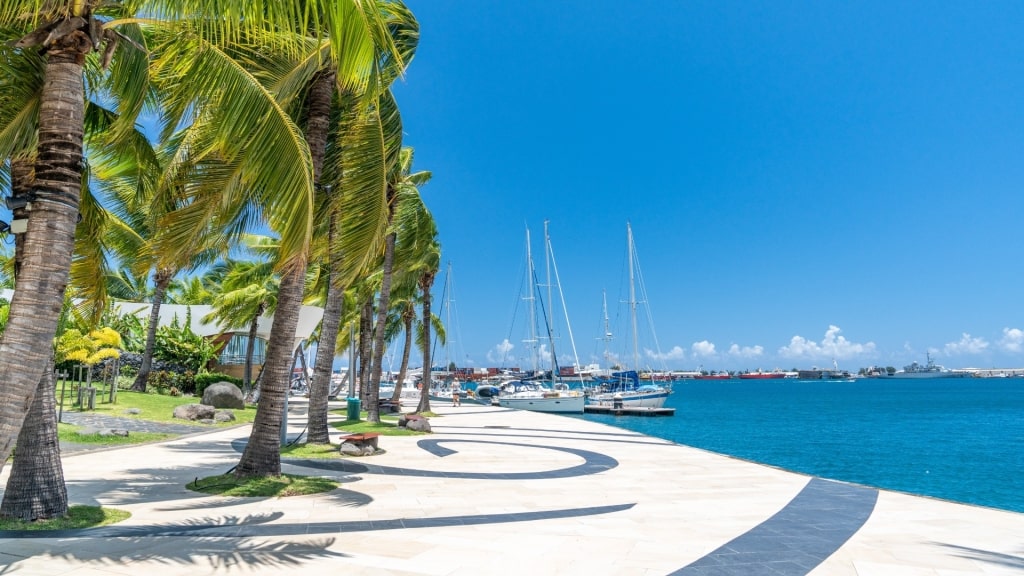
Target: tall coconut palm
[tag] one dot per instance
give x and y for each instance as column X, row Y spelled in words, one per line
column 402, row 189
column 27, row 342
column 43, row 128
column 351, row 36
column 66, row 32
column 366, row 144
column 414, row 252
column 431, row 263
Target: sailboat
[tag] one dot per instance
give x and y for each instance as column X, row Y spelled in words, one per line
column 444, row 390
column 623, row 388
column 536, row 394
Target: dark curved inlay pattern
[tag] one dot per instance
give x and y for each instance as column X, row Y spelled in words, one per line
column 257, row 526
column 822, row 517
column 593, row 463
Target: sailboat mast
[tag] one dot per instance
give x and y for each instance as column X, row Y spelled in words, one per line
column 632, row 299
column 448, row 321
column 530, row 300
column 607, row 331
column 547, row 313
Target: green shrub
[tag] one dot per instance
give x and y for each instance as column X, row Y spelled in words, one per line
column 163, row 381
column 178, row 344
column 207, row 378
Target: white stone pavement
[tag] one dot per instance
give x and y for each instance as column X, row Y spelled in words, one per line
column 495, row 491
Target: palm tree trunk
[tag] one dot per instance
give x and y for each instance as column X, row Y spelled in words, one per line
column 250, row 349
column 161, row 280
column 425, row 284
column 365, row 349
column 262, row 455
column 27, row 344
column 36, row 489
column 406, row 351
column 383, row 303
column 318, row 432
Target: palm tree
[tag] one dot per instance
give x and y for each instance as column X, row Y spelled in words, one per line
column 261, row 456
column 247, row 291
column 27, row 343
column 431, row 263
column 66, row 33
column 190, row 290
column 415, row 251
column 354, row 37
column 402, row 187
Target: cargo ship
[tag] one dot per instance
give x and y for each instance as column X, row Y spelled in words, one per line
column 762, row 375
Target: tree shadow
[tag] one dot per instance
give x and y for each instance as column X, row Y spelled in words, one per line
column 986, row 556
column 207, row 554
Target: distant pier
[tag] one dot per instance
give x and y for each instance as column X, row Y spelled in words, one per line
column 628, row 410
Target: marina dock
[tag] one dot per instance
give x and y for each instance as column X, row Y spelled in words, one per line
column 629, row 411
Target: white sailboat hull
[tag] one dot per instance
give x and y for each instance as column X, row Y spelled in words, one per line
column 557, row 404
column 632, row 399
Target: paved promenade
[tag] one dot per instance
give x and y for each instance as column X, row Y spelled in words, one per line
column 495, row 491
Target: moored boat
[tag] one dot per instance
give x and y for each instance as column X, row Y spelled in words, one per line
column 624, row 390
column 527, row 395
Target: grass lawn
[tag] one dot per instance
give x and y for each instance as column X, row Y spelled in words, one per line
column 316, row 451
column 279, row 486
column 67, row 433
column 155, row 407
column 387, row 427
column 78, row 517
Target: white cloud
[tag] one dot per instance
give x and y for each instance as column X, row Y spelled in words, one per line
column 1013, row 340
column 676, row 353
column 966, row 345
column 831, row 346
column 544, row 355
column 703, row 349
column 746, row 351
column 500, row 353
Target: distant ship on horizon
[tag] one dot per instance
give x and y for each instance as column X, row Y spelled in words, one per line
column 759, row 375
column 929, row 370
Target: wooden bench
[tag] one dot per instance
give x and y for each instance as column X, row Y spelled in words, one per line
column 362, row 440
column 389, row 406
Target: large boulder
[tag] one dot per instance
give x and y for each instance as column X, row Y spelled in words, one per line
column 223, row 395
column 194, row 412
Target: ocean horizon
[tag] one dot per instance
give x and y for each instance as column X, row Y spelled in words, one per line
column 957, row 439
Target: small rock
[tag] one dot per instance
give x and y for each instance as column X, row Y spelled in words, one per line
column 133, row 411
column 194, row 412
column 224, row 416
column 350, row 449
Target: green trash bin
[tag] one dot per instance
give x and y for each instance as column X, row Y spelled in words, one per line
column 353, row 408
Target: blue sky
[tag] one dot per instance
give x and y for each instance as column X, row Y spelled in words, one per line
column 805, row 180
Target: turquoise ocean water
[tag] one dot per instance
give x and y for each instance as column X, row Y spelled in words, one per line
column 956, row 439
